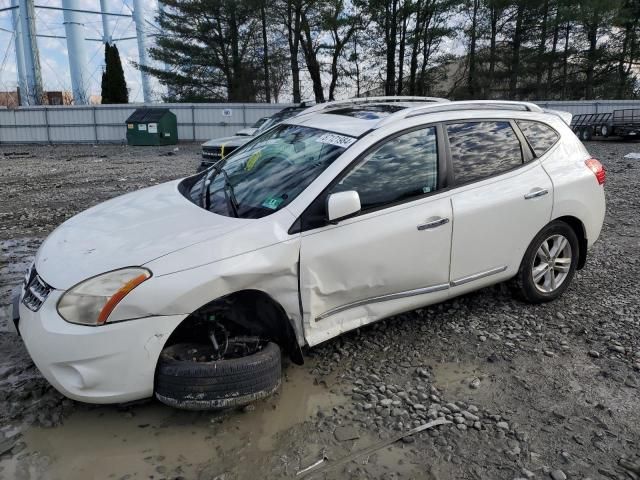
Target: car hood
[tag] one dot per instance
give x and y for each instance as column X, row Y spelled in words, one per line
column 246, row 132
column 130, row 230
column 235, row 141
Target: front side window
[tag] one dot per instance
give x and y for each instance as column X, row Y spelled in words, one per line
column 541, row 137
column 403, row 168
column 269, row 172
column 482, row 149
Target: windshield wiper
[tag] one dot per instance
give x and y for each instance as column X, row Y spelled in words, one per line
column 228, row 191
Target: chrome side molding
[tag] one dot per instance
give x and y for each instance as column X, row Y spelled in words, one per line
column 477, row 276
column 384, row 298
column 411, row 293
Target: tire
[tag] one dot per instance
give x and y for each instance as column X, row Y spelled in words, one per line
column 604, row 131
column 545, row 289
column 585, row 134
column 216, row 384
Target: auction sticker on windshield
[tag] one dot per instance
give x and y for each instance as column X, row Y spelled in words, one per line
column 335, row 139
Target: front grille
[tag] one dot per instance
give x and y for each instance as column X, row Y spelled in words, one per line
column 212, row 153
column 36, row 291
column 216, row 153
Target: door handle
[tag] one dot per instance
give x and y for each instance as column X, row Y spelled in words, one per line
column 538, row 192
column 433, row 223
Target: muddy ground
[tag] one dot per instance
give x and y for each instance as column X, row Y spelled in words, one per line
column 546, row 391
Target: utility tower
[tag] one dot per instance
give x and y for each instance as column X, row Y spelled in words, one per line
column 106, row 30
column 78, row 65
column 17, row 30
column 27, row 53
column 143, row 60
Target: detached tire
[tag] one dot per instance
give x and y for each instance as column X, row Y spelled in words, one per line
column 205, row 385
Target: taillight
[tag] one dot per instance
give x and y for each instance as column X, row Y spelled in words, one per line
column 598, row 170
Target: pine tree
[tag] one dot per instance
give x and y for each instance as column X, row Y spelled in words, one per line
column 114, row 86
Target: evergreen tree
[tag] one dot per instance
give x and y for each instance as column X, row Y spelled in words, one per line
column 114, row 87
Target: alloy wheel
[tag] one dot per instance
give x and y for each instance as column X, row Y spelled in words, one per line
column 552, row 263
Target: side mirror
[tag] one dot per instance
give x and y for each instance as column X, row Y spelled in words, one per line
column 342, row 204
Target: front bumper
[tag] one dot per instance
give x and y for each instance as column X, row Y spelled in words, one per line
column 107, row 364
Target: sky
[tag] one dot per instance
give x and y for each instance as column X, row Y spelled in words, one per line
column 53, row 52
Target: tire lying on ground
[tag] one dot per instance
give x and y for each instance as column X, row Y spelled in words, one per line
column 186, row 379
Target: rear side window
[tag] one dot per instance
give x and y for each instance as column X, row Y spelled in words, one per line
column 403, row 168
column 541, row 137
column 483, row 149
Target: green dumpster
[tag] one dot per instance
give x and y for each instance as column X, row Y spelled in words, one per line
column 152, row 126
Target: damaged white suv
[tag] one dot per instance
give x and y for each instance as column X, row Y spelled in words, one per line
column 347, row 214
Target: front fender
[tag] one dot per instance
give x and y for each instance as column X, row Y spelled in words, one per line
column 272, row 270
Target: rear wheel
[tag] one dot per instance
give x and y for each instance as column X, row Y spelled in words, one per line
column 549, row 264
column 193, row 377
column 604, row 130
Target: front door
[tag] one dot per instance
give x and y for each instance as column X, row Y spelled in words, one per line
column 391, row 257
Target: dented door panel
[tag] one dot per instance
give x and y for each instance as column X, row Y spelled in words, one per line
column 364, row 259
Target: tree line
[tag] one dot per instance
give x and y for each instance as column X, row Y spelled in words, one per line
column 270, row 50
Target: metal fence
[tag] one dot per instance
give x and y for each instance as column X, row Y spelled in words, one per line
column 589, row 106
column 196, row 121
column 106, row 123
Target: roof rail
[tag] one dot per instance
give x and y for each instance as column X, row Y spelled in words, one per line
column 365, row 100
column 473, row 105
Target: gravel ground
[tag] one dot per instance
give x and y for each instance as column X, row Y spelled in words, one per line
column 547, row 391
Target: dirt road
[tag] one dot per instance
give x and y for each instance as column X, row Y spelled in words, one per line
column 548, row 391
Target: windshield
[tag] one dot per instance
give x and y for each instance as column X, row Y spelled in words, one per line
column 268, row 173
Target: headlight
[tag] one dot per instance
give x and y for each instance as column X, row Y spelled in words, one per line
column 91, row 302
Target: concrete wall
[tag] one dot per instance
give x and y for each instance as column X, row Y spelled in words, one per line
column 196, row 121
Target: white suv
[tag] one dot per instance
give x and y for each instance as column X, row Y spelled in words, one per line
column 347, row 214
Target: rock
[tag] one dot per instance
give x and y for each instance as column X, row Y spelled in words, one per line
column 475, row 383
column 461, row 426
column 7, row 444
column 631, row 382
column 632, row 466
column 386, row 402
column 343, row 434
column 616, row 348
column 452, row 407
column 470, row 416
column 558, row 475
column 594, row 353
column 502, row 425
column 18, row 447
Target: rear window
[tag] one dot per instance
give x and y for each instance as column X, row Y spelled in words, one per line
column 541, row 137
column 483, row 149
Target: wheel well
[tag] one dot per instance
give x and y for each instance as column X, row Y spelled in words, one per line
column 247, row 312
column 578, row 227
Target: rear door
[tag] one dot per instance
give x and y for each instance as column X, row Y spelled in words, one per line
column 503, row 197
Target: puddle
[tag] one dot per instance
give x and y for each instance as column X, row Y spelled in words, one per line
column 154, row 441
column 454, row 378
